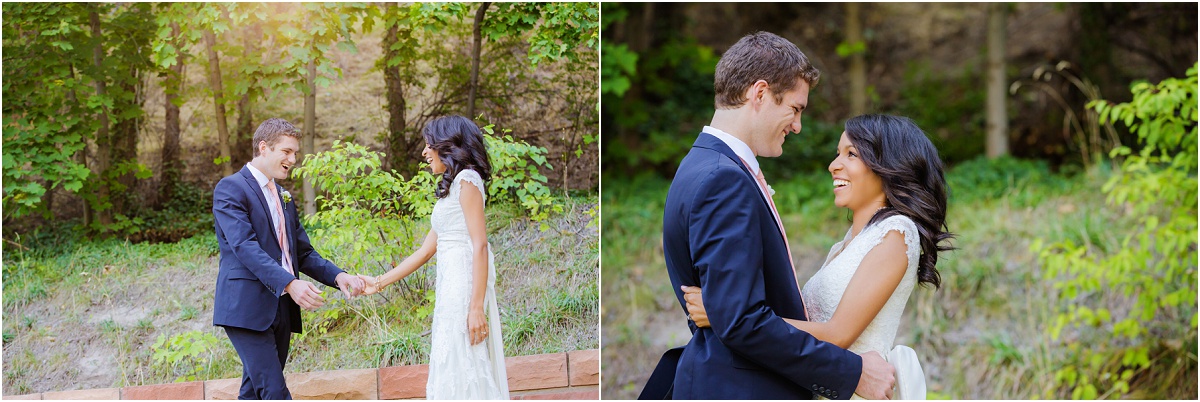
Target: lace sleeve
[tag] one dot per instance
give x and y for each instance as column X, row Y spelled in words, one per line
column 906, row 227
column 472, row 177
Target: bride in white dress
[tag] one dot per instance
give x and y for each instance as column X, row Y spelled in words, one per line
column 890, row 177
column 467, row 350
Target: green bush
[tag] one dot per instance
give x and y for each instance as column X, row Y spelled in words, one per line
column 186, row 355
column 1135, row 307
column 516, row 177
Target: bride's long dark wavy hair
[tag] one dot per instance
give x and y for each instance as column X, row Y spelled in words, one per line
column 896, row 150
column 460, row 146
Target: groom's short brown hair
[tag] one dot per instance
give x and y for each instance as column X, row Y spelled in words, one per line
column 761, row 56
column 270, row 131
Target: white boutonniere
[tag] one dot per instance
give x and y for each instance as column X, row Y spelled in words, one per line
column 287, row 197
column 771, row 190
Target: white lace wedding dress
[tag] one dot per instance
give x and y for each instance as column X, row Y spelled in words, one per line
column 824, row 290
column 457, row 369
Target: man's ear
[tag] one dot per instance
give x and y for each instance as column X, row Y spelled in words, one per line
column 756, row 93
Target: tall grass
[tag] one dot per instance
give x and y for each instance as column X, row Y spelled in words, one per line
column 983, row 335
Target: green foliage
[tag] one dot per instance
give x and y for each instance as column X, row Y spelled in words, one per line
column 1153, row 273
column 657, row 127
column 617, row 68
column 352, row 178
column 186, row 214
column 847, row 49
column 619, row 64
column 950, row 110
column 369, row 216
column 186, row 355
column 516, row 176
column 558, row 29
column 982, row 179
column 51, row 101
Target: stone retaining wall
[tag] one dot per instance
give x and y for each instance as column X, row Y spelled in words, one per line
column 570, row 375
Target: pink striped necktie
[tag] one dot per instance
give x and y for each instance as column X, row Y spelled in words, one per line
column 280, row 231
column 762, row 185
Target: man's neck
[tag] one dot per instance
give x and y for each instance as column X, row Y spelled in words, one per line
column 258, row 164
column 733, row 122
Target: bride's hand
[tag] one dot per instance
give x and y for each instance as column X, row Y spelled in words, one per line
column 370, row 284
column 476, row 325
column 695, row 306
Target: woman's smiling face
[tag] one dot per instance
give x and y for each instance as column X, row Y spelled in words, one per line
column 435, row 161
column 855, row 186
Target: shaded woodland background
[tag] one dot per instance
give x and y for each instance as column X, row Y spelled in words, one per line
column 112, row 109
column 927, row 62
column 119, row 118
column 1036, row 302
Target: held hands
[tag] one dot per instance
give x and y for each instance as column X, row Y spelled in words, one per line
column 370, row 284
column 476, row 325
column 350, row 285
column 878, row 377
column 305, row 294
column 695, row 306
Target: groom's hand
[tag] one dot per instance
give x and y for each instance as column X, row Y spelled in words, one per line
column 305, row 294
column 350, row 285
column 878, row 377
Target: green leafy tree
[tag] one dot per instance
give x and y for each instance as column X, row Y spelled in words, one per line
column 45, row 127
column 73, row 76
column 1151, row 332
column 518, row 41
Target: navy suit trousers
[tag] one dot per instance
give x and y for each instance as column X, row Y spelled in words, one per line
column 263, row 354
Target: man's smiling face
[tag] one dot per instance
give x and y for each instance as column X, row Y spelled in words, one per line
column 277, row 161
column 776, row 120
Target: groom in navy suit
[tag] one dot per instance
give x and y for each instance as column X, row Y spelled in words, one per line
column 263, row 249
column 721, row 232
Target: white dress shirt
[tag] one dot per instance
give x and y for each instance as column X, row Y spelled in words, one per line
column 272, row 202
column 740, row 148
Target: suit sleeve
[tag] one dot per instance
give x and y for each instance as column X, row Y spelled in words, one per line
column 232, row 216
column 308, row 260
column 727, row 247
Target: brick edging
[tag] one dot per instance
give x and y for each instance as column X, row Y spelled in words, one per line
column 564, row 375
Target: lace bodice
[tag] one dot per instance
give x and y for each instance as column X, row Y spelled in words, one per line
column 824, row 290
column 457, row 369
column 448, row 220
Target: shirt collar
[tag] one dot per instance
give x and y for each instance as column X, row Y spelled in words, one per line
column 261, row 178
column 740, row 148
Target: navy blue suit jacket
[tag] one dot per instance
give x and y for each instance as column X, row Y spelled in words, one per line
column 251, row 281
column 719, row 234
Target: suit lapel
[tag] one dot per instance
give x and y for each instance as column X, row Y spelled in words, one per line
column 264, row 208
column 710, row 141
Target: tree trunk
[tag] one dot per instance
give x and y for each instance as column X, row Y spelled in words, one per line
column 997, row 90
column 397, row 145
column 124, row 150
column 242, row 150
column 172, row 167
column 858, row 65
column 310, row 132
column 103, row 139
column 475, row 52
column 214, row 81
column 81, row 154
